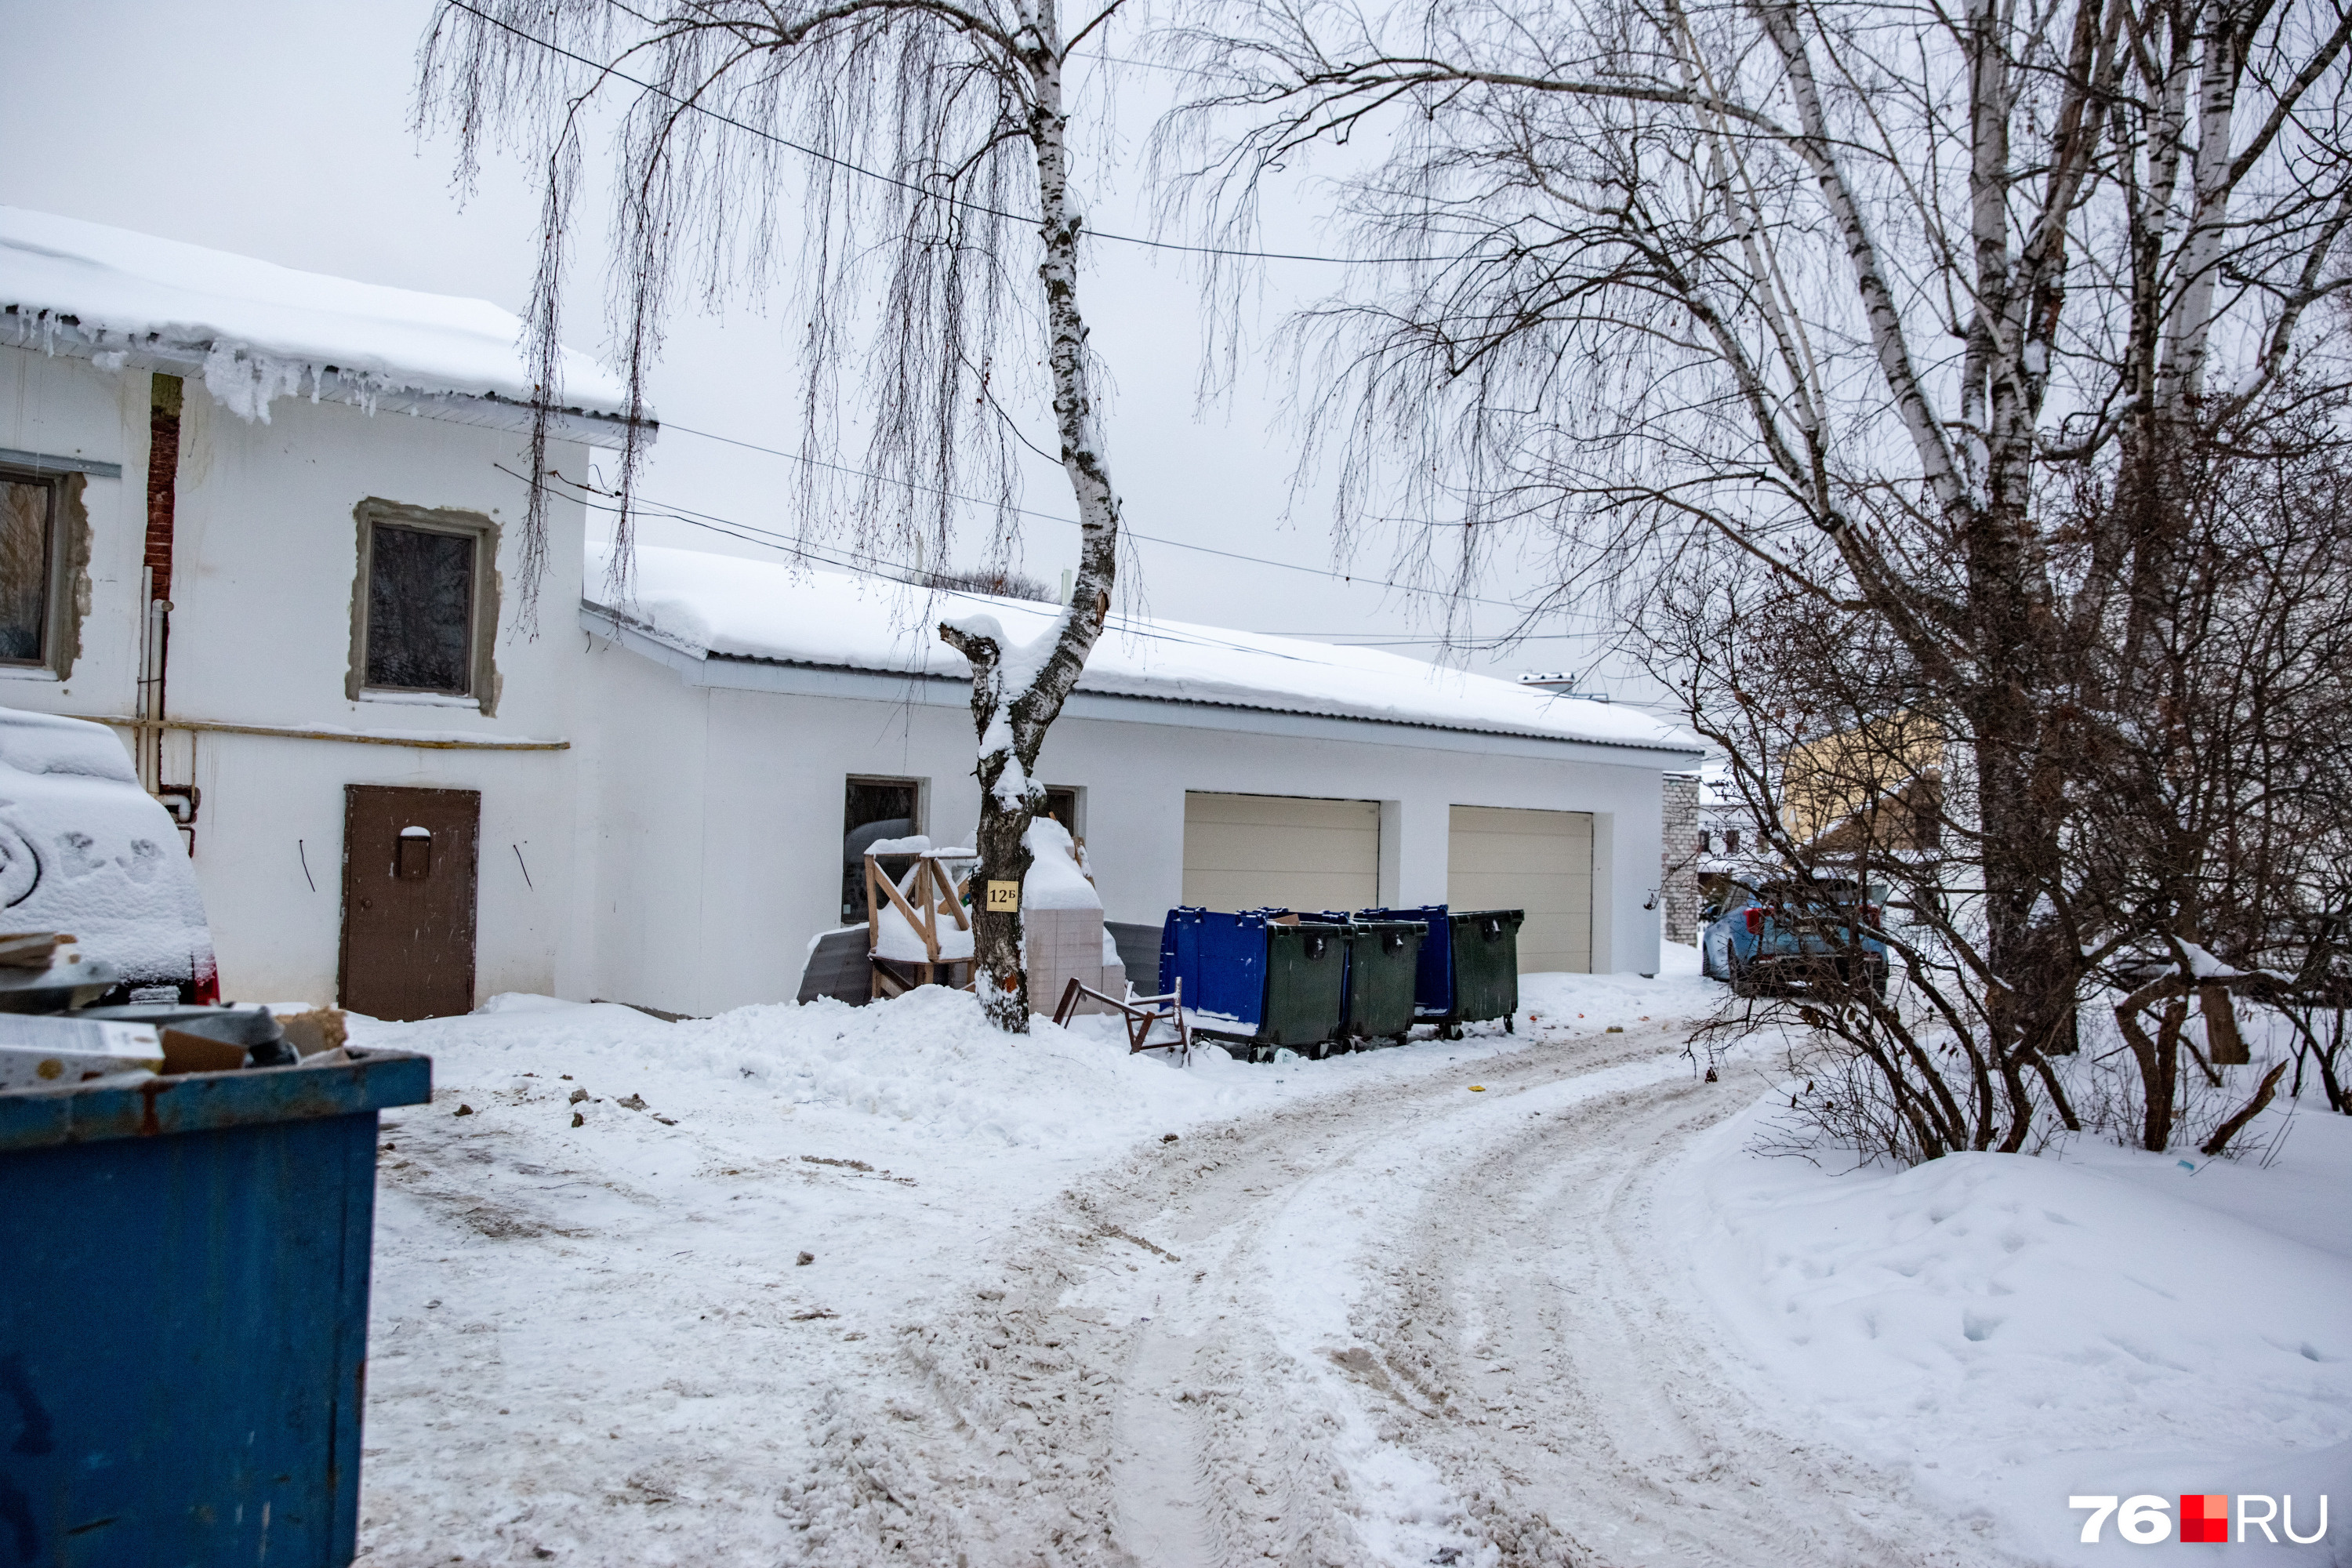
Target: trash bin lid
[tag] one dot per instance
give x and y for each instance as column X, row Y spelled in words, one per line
column 202, row 1102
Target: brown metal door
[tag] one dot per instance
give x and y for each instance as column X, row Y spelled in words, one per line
column 408, row 900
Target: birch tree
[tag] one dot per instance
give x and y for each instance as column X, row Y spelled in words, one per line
column 1853, row 297
column 904, row 144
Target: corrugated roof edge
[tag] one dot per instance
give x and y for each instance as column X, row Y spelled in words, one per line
column 654, row 634
column 63, row 336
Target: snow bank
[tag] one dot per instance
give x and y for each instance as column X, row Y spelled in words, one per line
column 1623, row 1000
column 726, row 605
column 633, row 1341
column 2018, row 1330
column 264, row 331
column 1054, row 881
column 927, row 1064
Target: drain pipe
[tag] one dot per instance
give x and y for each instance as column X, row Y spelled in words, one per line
column 156, row 579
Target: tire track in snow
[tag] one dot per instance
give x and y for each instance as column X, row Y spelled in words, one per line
column 1591, row 1390
column 1401, row 1323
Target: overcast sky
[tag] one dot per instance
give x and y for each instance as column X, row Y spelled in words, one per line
column 279, row 129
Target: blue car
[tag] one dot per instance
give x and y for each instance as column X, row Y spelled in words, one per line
column 1794, row 937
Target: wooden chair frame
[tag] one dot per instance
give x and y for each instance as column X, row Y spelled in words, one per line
column 1137, row 1015
column 936, row 893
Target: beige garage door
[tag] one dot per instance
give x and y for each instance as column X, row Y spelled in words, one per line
column 1539, row 861
column 1247, row 851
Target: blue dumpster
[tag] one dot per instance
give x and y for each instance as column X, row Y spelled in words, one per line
column 183, row 1322
column 1260, row 978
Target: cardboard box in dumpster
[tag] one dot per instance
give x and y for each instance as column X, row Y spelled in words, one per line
column 38, row 1051
column 64, row 1050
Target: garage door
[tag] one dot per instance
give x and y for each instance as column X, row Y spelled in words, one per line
column 1539, row 861
column 1247, row 851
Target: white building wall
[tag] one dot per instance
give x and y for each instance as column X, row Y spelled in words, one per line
column 748, row 785
column 266, row 560
column 687, row 850
column 62, row 407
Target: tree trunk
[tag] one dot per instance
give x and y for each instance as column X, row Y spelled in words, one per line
column 2251, row 1108
column 1012, row 707
column 2223, row 1044
column 2160, row 1069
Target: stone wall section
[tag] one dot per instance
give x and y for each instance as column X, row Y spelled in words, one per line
column 1678, row 861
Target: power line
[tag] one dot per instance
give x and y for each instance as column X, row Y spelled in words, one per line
column 1127, row 626
column 644, row 85
column 1124, row 532
column 1361, row 640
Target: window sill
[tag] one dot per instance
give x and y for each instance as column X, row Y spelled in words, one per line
column 28, row 672
column 421, row 699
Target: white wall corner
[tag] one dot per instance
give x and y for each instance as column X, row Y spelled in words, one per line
column 1608, row 898
column 1392, row 868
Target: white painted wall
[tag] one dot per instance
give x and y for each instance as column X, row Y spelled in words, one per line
column 746, row 786
column 266, row 559
column 687, row 850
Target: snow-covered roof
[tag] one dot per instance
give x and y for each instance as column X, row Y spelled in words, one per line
column 725, row 606
column 255, row 331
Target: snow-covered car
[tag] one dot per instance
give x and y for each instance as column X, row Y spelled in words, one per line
column 86, row 851
column 1793, row 936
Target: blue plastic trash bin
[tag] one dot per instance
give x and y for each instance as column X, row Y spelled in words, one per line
column 183, row 1322
column 1258, row 978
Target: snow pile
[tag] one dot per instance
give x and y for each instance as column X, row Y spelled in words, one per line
column 650, row 1337
column 1054, row 881
column 725, row 605
column 262, row 331
column 915, row 844
column 2019, row 1329
column 1572, row 1000
column 896, row 937
column 927, row 1063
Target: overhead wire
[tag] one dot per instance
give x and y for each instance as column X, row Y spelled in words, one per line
column 1127, row 626
column 603, row 69
column 728, row 526
column 1124, row 532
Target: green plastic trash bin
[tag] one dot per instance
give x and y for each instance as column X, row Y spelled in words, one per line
column 1382, row 956
column 1485, row 966
column 1306, row 986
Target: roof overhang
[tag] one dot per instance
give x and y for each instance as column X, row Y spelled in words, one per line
column 61, row 337
column 697, row 667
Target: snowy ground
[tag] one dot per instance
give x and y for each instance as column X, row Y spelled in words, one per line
column 1516, row 1300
